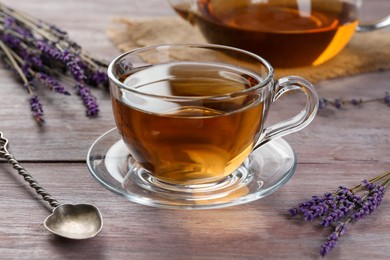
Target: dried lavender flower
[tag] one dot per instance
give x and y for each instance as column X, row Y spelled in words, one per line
column 51, row 83
column 333, row 238
column 42, row 54
column 99, row 78
column 88, row 99
column 36, row 108
column 387, row 99
column 339, row 103
column 338, row 209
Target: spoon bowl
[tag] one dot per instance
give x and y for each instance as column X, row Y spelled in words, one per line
column 79, row 221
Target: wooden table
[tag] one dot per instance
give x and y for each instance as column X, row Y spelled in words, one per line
column 339, row 147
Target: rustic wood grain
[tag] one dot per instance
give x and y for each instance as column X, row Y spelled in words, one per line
column 339, row 147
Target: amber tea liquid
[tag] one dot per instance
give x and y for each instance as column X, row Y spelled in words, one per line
column 287, row 33
column 188, row 142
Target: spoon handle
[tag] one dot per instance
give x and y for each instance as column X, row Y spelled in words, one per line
column 27, row 177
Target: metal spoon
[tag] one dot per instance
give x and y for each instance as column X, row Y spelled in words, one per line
column 78, row 221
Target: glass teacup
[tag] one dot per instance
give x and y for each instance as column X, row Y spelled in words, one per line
column 287, row 33
column 190, row 115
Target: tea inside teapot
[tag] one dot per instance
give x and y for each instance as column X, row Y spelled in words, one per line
column 287, row 33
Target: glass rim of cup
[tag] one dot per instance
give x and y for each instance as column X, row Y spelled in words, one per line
column 263, row 83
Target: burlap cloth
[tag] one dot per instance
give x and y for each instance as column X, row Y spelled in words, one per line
column 366, row 52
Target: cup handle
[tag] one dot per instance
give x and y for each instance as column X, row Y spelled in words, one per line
column 302, row 119
column 374, row 25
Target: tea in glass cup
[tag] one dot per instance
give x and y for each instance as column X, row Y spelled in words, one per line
column 181, row 137
column 190, row 115
column 287, row 33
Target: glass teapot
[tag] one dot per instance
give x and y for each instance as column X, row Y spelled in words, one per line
column 287, row 33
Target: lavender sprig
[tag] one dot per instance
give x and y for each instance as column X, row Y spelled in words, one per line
column 88, row 99
column 338, row 209
column 51, row 83
column 339, row 103
column 36, row 108
column 41, row 54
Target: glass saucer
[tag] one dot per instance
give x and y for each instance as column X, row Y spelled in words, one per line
column 263, row 172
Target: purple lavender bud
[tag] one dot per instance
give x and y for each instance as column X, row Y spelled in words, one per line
column 387, row 99
column 51, row 27
column 72, row 62
column 328, row 195
column 11, row 40
column 31, row 61
column 342, row 190
column 67, row 56
column 375, row 197
column 368, row 185
column 57, row 29
column 51, row 83
column 334, row 236
column 26, row 69
column 356, row 102
column 98, row 78
column 322, row 102
column 74, row 65
column 329, row 244
column 76, row 71
column 36, row 108
column 49, row 50
column 24, row 32
column 74, row 45
column 88, row 99
column 338, row 103
column 308, row 216
column 36, row 61
column 341, row 229
column 9, row 21
column 293, row 212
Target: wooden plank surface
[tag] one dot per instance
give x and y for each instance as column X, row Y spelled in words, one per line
column 339, row 147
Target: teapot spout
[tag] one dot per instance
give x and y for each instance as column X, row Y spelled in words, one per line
column 184, row 9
